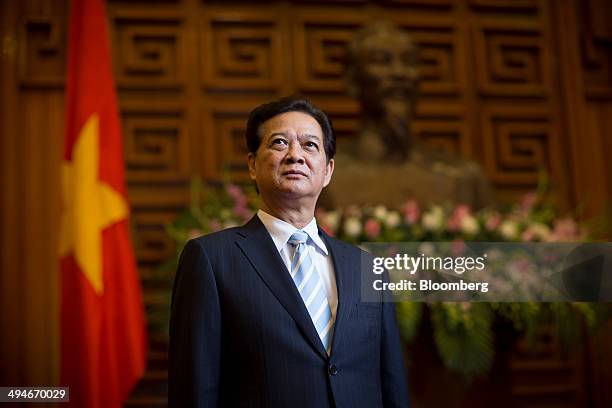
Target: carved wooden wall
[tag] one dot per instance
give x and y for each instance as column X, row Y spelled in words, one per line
column 519, row 85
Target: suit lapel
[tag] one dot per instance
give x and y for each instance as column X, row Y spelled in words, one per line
column 345, row 269
column 258, row 247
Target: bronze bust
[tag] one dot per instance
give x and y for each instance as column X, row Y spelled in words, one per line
column 385, row 164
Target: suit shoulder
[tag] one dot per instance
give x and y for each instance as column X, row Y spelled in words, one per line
column 216, row 240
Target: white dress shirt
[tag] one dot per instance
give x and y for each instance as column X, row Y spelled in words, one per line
column 281, row 231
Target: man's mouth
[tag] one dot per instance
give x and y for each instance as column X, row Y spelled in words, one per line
column 294, row 173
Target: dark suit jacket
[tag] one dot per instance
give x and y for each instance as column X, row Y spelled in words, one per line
column 240, row 335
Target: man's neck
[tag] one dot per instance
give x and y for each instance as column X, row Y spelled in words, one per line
column 298, row 216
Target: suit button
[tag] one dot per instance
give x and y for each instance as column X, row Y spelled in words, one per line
column 333, row 370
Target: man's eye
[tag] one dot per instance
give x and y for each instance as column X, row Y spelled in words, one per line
column 312, row 145
column 279, row 142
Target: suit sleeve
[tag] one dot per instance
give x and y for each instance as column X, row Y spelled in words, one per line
column 392, row 370
column 195, row 332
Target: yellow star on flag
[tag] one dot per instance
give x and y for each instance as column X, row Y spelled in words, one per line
column 90, row 205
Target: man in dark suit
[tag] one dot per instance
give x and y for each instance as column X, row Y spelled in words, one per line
column 269, row 314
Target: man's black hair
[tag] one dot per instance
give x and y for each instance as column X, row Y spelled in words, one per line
column 289, row 104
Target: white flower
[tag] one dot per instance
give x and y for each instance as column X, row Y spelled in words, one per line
column 508, row 229
column 427, row 249
column 433, row 219
column 380, row 212
column 540, row 231
column 393, row 219
column 469, row 225
column 352, row 226
column 331, row 219
column 353, row 211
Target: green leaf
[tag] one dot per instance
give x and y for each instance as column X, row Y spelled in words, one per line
column 464, row 340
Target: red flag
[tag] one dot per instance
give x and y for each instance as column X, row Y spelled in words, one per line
column 103, row 346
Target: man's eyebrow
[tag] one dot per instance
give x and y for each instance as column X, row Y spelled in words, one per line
column 311, row 136
column 303, row 136
column 277, row 134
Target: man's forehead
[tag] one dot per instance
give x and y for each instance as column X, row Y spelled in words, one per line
column 294, row 121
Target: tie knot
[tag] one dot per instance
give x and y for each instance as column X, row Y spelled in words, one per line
column 298, row 237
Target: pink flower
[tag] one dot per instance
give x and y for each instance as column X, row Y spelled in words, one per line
column 372, row 228
column 243, row 212
column 194, row 233
column 565, row 229
column 527, row 202
column 536, row 232
column 236, row 194
column 411, row 211
column 522, row 265
column 527, row 235
column 460, row 212
column 328, row 220
column 550, row 258
column 353, row 211
column 233, row 190
column 327, row 230
column 493, row 221
column 214, row 225
column 458, row 247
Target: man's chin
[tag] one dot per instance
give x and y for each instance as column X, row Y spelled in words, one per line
column 294, row 189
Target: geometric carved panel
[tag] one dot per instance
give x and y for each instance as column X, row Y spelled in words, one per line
column 451, row 137
column 597, row 65
column 223, row 129
column 242, row 51
column 345, row 118
column 321, row 43
column 441, row 54
column 596, row 47
column 148, row 50
column 505, row 5
column 434, row 109
column 518, row 144
column 156, row 143
column 42, row 51
column 151, row 242
column 512, row 60
column 320, row 49
column 422, row 3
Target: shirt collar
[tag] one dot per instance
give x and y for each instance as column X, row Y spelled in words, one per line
column 281, row 231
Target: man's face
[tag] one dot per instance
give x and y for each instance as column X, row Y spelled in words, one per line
column 291, row 160
column 387, row 70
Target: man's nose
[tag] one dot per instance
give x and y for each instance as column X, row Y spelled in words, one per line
column 295, row 153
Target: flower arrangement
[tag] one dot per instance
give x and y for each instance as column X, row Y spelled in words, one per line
column 532, row 220
column 213, row 209
column 463, row 332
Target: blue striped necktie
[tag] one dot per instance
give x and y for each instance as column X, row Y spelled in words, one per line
column 310, row 286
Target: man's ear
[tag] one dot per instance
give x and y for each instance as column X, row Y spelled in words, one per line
column 251, row 160
column 329, row 172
